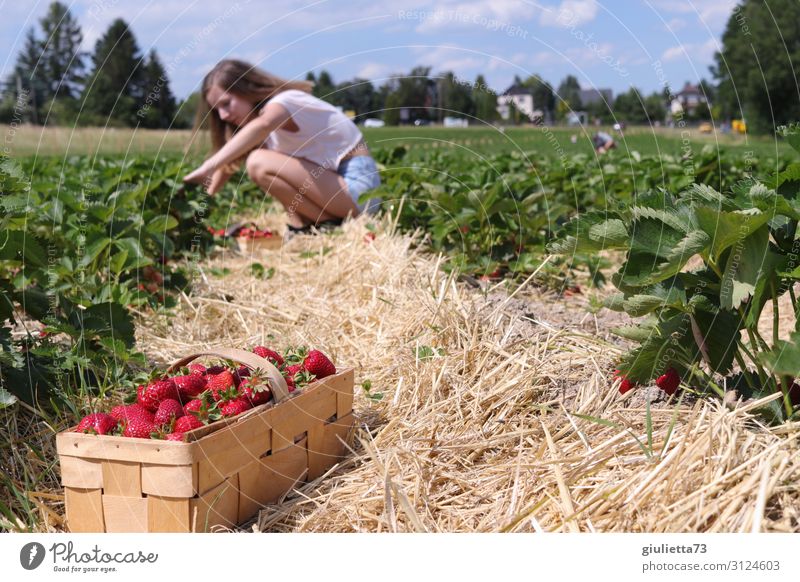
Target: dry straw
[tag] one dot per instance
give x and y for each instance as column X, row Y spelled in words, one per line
column 485, row 413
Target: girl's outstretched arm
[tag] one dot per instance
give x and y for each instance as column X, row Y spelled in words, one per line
column 271, row 117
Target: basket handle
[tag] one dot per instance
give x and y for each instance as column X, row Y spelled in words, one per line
column 277, row 384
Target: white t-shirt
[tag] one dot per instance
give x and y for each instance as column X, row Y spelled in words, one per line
column 325, row 134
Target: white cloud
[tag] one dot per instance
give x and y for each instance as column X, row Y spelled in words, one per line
column 373, row 71
column 570, row 13
column 675, row 24
column 695, row 52
column 712, row 13
column 492, row 15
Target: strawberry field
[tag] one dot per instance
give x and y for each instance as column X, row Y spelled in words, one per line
column 447, row 308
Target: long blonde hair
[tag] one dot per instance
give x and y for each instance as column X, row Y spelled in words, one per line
column 244, row 80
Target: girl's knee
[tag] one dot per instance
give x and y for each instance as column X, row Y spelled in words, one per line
column 261, row 161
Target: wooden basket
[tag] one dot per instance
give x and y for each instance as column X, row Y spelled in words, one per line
column 224, row 472
column 254, row 246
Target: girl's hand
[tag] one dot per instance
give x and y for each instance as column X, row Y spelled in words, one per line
column 201, row 175
column 219, row 177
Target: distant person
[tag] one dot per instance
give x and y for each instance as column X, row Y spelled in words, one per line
column 301, row 150
column 603, row 142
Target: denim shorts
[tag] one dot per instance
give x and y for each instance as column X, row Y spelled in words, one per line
column 361, row 174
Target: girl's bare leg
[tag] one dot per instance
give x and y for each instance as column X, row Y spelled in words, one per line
column 310, row 193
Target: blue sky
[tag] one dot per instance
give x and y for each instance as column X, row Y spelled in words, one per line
column 604, row 44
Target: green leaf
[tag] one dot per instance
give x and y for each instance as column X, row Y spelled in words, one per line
column 6, row 398
column 160, row 224
column 94, row 249
column 784, row 358
column 726, row 228
column 744, row 267
column 639, row 305
column 716, row 338
column 692, row 244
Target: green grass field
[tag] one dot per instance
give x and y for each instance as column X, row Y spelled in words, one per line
column 25, row 141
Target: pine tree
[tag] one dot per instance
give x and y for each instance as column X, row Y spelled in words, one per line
column 25, row 85
column 158, row 108
column 61, row 58
column 115, row 89
column 485, row 101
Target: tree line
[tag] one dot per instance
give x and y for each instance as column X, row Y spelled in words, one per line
column 54, row 82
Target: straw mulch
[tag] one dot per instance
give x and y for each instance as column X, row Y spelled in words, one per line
column 485, row 415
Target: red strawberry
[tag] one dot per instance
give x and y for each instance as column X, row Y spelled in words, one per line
column 234, row 407
column 123, row 413
column 669, row 381
column 268, row 354
column 318, row 364
column 190, row 385
column 167, row 410
column 174, row 436
column 97, row 423
column 195, row 368
column 214, row 370
column 151, row 395
column 625, row 385
column 193, row 407
column 255, row 390
column 138, row 427
column 220, row 382
column 290, row 372
column 369, row 237
column 187, row 423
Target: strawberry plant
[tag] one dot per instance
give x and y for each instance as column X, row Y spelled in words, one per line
column 700, row 266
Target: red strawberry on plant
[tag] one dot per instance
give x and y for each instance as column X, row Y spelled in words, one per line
column 151, row 395
column 190, row 385
column 625, row 385
column 268, row 354
column 669, row 381
column 186, row 423
column 97, row 423
column 168, row 410
column 318, row 364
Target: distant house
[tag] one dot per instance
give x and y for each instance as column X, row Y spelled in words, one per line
column 688, row 99
column 592, row 96
column 577, row 118
column 522, row 98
